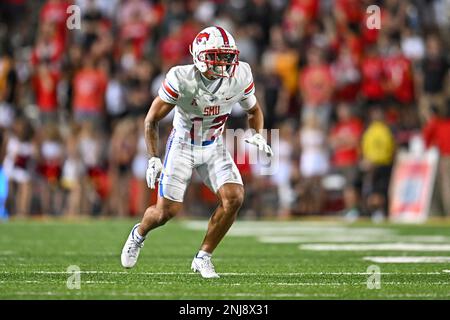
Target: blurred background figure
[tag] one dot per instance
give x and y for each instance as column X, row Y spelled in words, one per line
column 72, row 175
column 434, row 79
column 19, row 166
column 283, row 178
column 121, row 155
column 436, row 134
column 317, row 88
column 344, row 140
column 378, row 148
column 4, row 215
column 50, row 160
column 314, row 164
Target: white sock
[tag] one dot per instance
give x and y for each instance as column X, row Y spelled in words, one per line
column 136, row 236
column 202, row 254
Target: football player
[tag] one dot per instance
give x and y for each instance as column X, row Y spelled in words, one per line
column 202, row 94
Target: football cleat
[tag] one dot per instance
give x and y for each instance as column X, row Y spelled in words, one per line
column 130, row 251
column 204, row 266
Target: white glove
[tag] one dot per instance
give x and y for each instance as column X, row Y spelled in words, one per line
column 154, row 167
column 259, row 141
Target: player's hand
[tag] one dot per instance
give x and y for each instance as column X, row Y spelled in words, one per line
column 259, row 141
column 154, row 167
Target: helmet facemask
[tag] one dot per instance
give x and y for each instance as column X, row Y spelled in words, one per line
column 220, row 62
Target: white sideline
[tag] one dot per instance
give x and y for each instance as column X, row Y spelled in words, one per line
column 159, row 294
column 403, row 259
column 376, row 247
column 229, row 273
column 246, row 294
column 37, row 281
column 352, row 238
column 287, row 284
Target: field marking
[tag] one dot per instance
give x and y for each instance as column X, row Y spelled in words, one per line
column 376, row 247
column 412, row 295
column 290, row 284
column 351, row 238
column 266, row 229
column 403, row 259
column 50, row 282
column 239, row 294
column 166, row 294
column 335, row 284
column 230, row 273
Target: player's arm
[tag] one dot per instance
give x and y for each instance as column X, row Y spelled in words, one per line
column 158, row 110
column 255, row 118
column 256, row 123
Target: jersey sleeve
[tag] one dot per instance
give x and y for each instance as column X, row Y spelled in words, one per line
column 169, row 90
column 248, row 99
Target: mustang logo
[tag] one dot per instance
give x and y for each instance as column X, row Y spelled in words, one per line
column 201, row 36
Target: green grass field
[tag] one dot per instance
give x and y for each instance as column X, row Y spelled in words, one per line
column 257, row 260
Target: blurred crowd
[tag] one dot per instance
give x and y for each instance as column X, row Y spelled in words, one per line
column 344, row 97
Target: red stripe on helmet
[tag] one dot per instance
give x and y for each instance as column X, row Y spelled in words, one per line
column 224, row 35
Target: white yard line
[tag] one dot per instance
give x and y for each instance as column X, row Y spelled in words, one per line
column 376, row 247
column 403, row 259
column 49, row 282
column 166, row 294
column 246, row 228
column 414, row 295
column 229, row 273
column 239, row 294
column 351, row 238
column 335, row 284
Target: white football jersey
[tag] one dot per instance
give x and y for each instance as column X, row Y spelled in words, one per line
column 200, row 114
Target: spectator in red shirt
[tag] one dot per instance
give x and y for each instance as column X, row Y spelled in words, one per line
column 347, row 75
column 372, row 77
column 399, row 76
column 317, row 87
column 45, row 84
column 49, row 46
column 55, row 11
column 307, row 9
column 345, row 137
column 436, row 133
column 136, row 31
column 173, row 49
column 89, row 86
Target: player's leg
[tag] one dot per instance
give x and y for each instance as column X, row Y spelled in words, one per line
column 231, row 196
column 158, row 214
column 221, row 175
column 155, row 216
column 173, row 182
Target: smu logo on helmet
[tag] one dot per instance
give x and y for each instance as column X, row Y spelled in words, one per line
column 201, row 36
